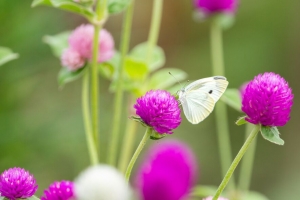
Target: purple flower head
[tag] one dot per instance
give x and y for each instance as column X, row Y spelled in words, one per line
column 159, row 110
column 17, row 183
column 268, row 100
column 210, row 198
column 81, row 40
column 209, row 7
column 63, row 190
column 168, row 173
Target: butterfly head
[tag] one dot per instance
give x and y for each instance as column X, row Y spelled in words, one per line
column 180, row 93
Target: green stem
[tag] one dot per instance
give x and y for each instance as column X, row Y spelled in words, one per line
column 217, row 49
column 127, row 146
column 154, row 28
column 101, row 10
column 221, row 110
column 247, row 163
column 236, row 161
column 87, row 121
column 100, row 14
column 137, row 153
column 95, row 87
column 125, row 40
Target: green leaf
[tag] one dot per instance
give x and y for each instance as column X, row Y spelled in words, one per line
column 157, row 136
column 271, row 134
column 232, row 98
column 117, row 6
column 40, row 2
column 110, row 68
column 251, row 195
column 58, row 43
column 241, row 121
column 33, row 198
column 203, row 191
column 66, row 76
column 135, row 69
column 163, row 80
column 7, row 55
column 158, row 59
column 67, row 5
column 106, row 70
column 129, row 85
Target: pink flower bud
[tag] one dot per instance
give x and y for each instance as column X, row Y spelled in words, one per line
column 72, row 59
column 82, row 38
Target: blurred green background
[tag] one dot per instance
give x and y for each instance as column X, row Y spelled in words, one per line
column 41, row 126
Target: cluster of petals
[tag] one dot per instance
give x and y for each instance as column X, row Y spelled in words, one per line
column 209, row 7
column 268, row 100
column 159, row 110
column 168, row 172
column 101, row 182
column 81, row 46
column 17, row 183
column 63, row 190
column 211, row 198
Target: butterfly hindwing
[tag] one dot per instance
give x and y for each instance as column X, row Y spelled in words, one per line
column 197, row 105
column 215, row 86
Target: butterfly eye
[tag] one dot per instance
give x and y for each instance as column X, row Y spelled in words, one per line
column 210, row 92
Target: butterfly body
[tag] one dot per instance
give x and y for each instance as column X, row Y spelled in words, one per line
column 199, row 98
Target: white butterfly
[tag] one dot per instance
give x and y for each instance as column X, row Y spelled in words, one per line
column 199, row 98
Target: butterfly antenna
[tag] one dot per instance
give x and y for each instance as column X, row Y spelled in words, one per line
column 175, row 79
column 186, row 83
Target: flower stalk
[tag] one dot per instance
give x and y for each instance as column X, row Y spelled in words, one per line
column 236, row 161
column 125, row 40
column 154, row 28
column 100, row 15
column 221, row 110
column 247, row 163
column 137, row 152
column 127, row 146
column 87, row 121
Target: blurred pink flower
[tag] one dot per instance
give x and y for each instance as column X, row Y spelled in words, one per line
column 106, row 46
column 72, row 59
column 209, row 7
column 168, row 172
column 81, row 40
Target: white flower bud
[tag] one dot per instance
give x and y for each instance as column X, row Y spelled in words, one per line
column 101, row 182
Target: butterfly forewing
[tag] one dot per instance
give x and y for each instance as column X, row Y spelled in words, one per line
column 215, row 86
column 197, row 105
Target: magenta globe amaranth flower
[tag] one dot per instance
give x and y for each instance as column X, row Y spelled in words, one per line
column 168, row 172
column 159, row 110
column 209, row 7
column 17, row 183
column 63, row 190
column 268, row 100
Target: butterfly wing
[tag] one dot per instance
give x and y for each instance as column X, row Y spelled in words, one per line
column 215, row 86
column 197, row 105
